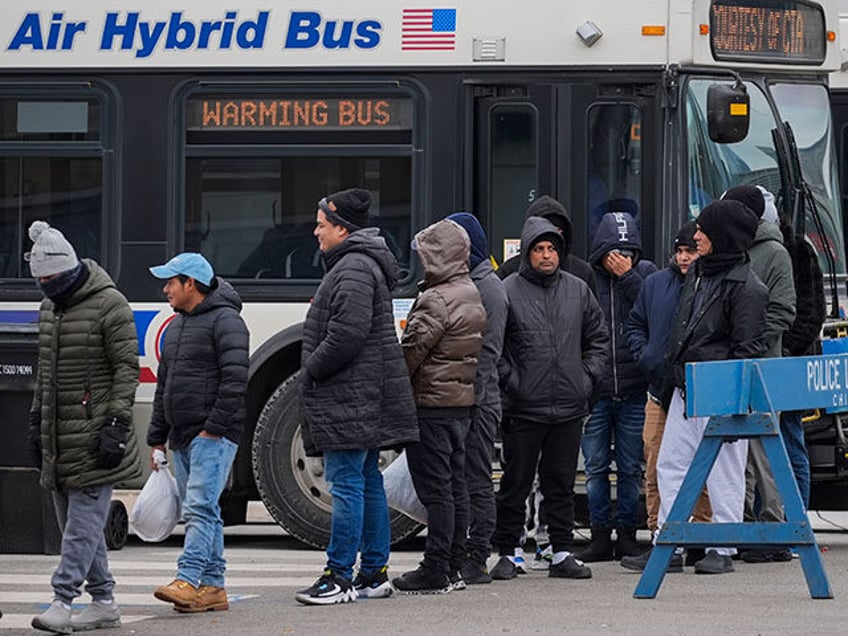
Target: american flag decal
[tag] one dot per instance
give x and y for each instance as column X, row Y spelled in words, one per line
column 428, row 30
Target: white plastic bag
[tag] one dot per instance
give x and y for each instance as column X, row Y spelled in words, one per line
column 157, row 509
column 400, row 493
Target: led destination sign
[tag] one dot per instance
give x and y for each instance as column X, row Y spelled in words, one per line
column 767, row 31
column 299, row 113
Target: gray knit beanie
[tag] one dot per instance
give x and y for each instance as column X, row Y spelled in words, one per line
column 51, row 253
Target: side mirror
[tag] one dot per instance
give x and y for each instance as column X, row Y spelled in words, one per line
column 727, row 113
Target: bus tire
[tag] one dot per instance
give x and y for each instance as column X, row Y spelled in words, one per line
column 117, row 526
column 292, row 485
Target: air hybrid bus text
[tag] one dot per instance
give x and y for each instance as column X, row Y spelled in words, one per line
column 127, row 31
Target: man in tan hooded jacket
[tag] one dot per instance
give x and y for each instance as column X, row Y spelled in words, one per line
column 441, row 342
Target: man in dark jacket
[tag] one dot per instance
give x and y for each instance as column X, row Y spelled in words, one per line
column 356, row 395
column 648, row 333
column 555, row 350
column 619, row 413
column 441, row 341
column 549, row 208
column 198, row 410
column 721, row 316
column 81, row 419
column 486, row 412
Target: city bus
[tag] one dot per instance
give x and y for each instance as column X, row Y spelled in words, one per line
column 145, row 129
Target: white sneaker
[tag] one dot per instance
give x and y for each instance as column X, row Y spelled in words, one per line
column 543, row 558
column 56, row 619
column 520, row 562
column 97, row 615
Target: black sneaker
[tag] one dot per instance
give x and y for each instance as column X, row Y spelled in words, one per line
column 374, row 585
column 504, row 569
column 331, row 588
column 766, row 555
column 714, row 563
column 640, row 562
column 456, row 581
column 422, row 581
column 569, row 568
column 474, row 573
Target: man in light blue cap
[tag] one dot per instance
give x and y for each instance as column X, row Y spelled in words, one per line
column 199, row 410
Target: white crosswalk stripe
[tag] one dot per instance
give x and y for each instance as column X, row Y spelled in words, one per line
column 138, row 570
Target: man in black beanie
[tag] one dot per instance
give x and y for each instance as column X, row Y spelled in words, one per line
column 721, row 316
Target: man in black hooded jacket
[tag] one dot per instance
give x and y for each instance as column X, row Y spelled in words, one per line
column 554, row 352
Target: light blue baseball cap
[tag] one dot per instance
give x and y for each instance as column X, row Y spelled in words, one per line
column 189, row 264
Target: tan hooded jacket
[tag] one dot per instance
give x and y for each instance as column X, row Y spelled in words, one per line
column 444, row 330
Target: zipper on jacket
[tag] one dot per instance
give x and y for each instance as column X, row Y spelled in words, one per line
column 613, row 346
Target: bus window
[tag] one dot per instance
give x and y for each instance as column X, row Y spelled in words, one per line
column 257, row 164
column 254, row 217
column 713, row 168
column 58, row 177
column 514, row 171
column 801, row 105
column 614, row 182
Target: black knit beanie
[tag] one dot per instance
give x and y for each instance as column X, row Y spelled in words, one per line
column 730, row 225
column 686, row 235
column 553, row 237
column 351, row 208
column 749, row 195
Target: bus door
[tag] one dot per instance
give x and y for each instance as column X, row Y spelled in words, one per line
column 607, row 160
column 511, row 159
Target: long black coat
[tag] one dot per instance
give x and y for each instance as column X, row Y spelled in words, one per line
column 202, row 376
column 356, row 392
column 729, row 324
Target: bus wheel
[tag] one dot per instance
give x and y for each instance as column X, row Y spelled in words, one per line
column 291, row 484
column 117, row 526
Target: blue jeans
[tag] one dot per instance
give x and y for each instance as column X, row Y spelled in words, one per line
column 620, row 421
column 360, row 512
column 792, row 431
column 201, row 471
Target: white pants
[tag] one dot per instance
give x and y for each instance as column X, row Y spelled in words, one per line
column 726, row 481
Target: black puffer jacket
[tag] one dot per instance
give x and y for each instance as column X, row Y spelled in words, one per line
column 356, row 392
column 617, row 296
column 202, row 375
column 556, row 341
column 730, row 322
column 552, row 210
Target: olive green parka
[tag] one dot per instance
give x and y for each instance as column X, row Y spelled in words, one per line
column 87, row 374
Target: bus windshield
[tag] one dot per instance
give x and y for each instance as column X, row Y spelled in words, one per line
column 713, row 168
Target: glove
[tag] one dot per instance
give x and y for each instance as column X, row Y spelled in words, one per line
column 112, row 443
column 34, row 438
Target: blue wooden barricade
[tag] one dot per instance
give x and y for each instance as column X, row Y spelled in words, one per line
column 742, row 398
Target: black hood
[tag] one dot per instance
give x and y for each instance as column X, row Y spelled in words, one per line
column 366, row 241
column 222, row 295
column 617, row 230
column 555, row 212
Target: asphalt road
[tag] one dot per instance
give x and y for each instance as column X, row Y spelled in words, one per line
column 266, row 568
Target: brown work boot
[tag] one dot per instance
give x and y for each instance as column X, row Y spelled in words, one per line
column 177, row 592
column 209, row 599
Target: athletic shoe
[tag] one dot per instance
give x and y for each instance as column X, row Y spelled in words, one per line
column 56, row 619
column 520, row 563
column 766, row 555
column 330, row 588
column 177, row 592
column 693, row 555
column 209, row 599
column 569, row 568
column 542, row 560
column 714, row 563
column 456, row 581
column 640, row 562
column 504, row 569
column 422, row 581
column 97, row 615
column 374, row 585
column 474, row 573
